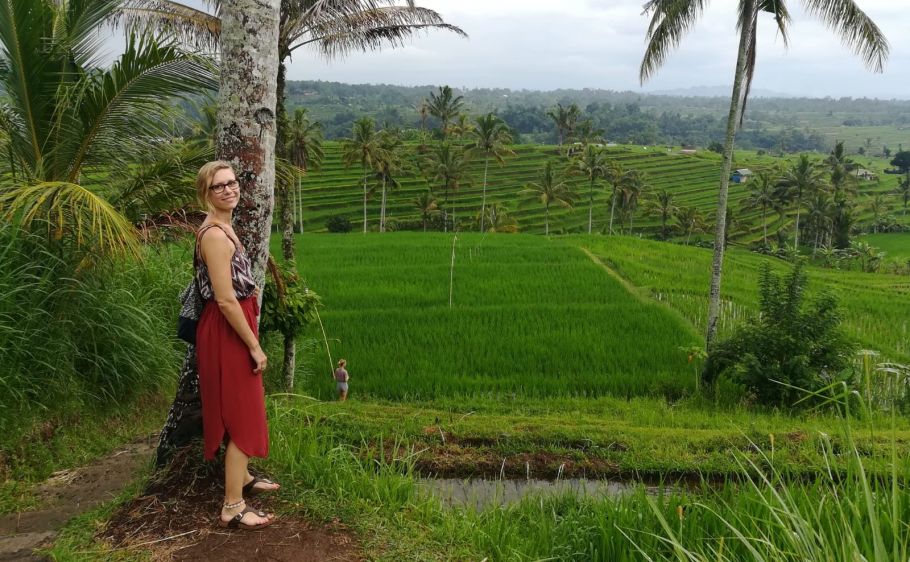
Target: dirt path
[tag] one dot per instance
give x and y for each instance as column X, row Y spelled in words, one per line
column 173, row 520
column 67, row 494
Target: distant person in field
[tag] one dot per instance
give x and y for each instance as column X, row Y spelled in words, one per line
column 341, row 380
column 230, row 358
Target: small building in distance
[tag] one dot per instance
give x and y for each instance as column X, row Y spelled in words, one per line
column 741, row 175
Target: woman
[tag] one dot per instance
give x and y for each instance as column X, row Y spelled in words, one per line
column 341, row 380
column 230, row 359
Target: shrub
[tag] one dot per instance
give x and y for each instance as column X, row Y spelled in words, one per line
column 338, row 223
column 789, row 348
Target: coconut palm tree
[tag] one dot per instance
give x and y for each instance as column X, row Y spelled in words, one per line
column 879, row 206
column 445, row 106
column 490, row 139
column 671, row 19
column 64, row 115
column 590, row 163
column 690, row 220
column 819, row 211
column 304, row 151
column 903, row 191
column 566, row 119
column 614, row 173
column 446, row 164
column 499, row 219
column 549, row 189
column 661, row 205
column 389, row 165
column 803, row 178
column 364, row 148
column 426, row 206
column 762, row 196
column 631, row 189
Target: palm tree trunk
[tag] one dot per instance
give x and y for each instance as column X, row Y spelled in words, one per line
column 764, row 222
column 382, row 208
column 612, row 208
column 483, row 201
column 299, row 218
column 289, row 364
column 246, row 117
column 732, row 119
column 799, row 205
column 591, row 207
column 364, row 199
column 546, row 221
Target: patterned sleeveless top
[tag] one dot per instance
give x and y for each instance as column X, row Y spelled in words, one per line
column 241, row 269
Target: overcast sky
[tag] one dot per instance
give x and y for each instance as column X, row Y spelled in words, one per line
column 547, row 44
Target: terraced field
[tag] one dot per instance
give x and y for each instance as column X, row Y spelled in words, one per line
column 337, row 190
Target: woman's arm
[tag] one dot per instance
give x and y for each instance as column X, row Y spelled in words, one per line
column 217, row 251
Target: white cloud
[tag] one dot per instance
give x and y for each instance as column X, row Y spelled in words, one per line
column 543, row 44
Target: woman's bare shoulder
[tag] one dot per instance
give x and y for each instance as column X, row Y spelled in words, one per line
column 216, row 240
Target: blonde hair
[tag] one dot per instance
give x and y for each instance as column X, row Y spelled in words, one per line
column 204, row 180
column 342, row 362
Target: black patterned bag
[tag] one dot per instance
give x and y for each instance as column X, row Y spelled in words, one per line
column 190, row 312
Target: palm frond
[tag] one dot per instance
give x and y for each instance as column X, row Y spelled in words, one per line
column 128, row 100
column 670, row 21
column 186, row 24
column 365, row 30
column 856, row 29
column 68, row 209
column 162, row 184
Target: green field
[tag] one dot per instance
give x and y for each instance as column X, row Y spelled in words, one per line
column 536, row 316
column 896, row 246
column 529, row 315
column 693, row 179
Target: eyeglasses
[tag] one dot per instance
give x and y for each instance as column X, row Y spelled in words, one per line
column 218, row 188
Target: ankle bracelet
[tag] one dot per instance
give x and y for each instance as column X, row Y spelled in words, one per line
column 233, row 505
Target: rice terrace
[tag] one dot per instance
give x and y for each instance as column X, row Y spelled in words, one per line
column 263, row 295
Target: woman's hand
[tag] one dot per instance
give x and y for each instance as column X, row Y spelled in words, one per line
column 259, row 359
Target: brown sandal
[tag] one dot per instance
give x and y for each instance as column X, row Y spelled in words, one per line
column 236, row 522
column 249, row 488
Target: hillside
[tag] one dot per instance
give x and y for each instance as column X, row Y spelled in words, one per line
column 338, row 191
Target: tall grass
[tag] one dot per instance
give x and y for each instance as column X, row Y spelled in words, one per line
column 73, row 340
column 762, row 516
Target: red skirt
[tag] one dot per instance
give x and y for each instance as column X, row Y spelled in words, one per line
column 233, row 398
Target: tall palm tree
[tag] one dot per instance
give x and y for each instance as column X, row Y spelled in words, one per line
column 364, row 148
column 590, row 163
column 305, row 152
column 549, row 189
column 690, row 220
column 499, row 219
column 662, row 206
column 803, row 178
column 614, row 173
column 762, row 196
column 566, row 119
column 389, row 165
column 903, row 191
column 426, row 206
column 632, row 187
column 819, row 211
column 879, row 206
column 445, row 106
column 490, row 139
column 671, row 19
column 446, row 164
